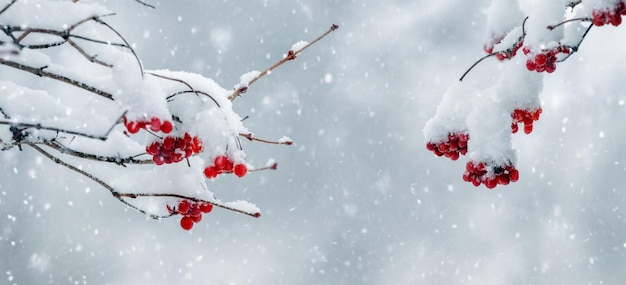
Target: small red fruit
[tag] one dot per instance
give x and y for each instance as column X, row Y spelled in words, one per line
column 206, row 208
column 210, row 172
column 167, row 127
column 186, row 223
column 241, row 169
column 183, row 206
column 540, row 59
column 155, row 124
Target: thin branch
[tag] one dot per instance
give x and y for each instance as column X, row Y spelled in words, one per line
column 71, row 167
column 577, row 46
column 7, row 6
column 120, row 196
column 111, row 159
column 97, row 20
column 88, row 57
column 292, row 55
column 42, row 73
column 191, row 89
column 273, row 166
column 169, row 98
column 583, row 19
column 252, row 138
column 172, row 195
column 145, row 4
column 476, row 63
column 40, row 127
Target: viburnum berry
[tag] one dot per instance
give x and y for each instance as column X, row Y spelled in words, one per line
column 154, row 124
column 191, row 212
column 240, row 170
column 490, row 176
column 452, row 148
column 186, row 222
column 184, row 206
column 167, row 127
column 612, row 15
column 173, row 149
column 545, row 60
column 222, row 162
column 211, row 172
column 206, row 207
column 526, row 117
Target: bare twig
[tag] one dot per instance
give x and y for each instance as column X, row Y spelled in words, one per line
column 40, row 127
column 292, row 55
column 252, row 138
column 584, row 19
column 145, row 4
column 42, row 73
column 98, row 20
column 169, row 98
column 191, row 89
column 88, row 57
column 172, row 195
column 111, row 159
column 7, row 6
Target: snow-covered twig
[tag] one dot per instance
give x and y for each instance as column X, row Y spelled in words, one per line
column 120, row 196
column 59, row 130
column 250, row 137
column 291, row 55
column 42, row 73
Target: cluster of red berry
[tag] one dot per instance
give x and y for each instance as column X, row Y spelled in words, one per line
column 191, row 212
column 526, row 117
column 174, row 149
column 610, row 16
column 509, row 53
column 222, row 164
column 545, row 60
column 155, row 124
column 477, row 173
column 455, row 146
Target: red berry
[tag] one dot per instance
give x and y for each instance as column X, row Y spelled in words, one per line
column 132, row 127
column 186, row 223
column 530, row 65
column 158, row 159
column 210, row 172
column 206, row 208
column 167, row 127
column 514, row 175
column 241, row 169
column 540, row 59
column 169, row 143
column 183, row 206
column 528, row 128
column 154, row 148
column 155, row 124
column 195, row 211
column 196, row 219
column 222, row 162
column 491, row 183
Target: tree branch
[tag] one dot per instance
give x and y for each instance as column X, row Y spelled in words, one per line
column 42, row 73
column 291, row 55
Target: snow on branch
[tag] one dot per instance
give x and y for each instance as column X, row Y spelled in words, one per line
column 549, row 34
column 175, row 125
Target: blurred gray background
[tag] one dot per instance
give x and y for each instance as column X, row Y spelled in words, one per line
column 357, row 199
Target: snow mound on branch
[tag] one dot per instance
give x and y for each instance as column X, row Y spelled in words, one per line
column 451, row 113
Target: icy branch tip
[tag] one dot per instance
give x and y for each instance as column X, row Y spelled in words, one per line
column 334, row 27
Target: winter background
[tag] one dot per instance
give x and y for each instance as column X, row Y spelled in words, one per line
column 357, row 199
